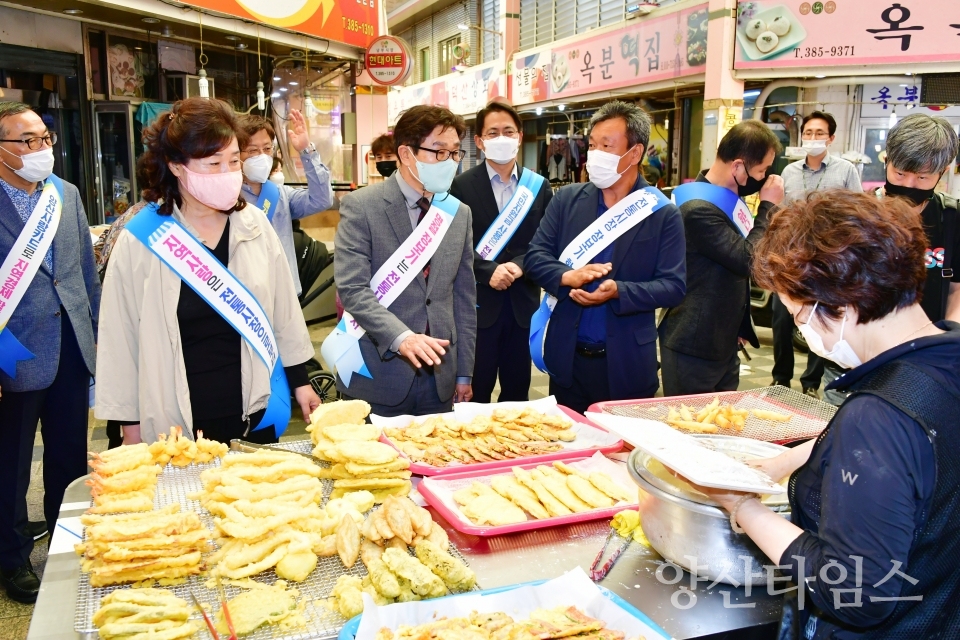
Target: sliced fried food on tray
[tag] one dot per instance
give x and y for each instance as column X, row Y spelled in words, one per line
column 143, row 613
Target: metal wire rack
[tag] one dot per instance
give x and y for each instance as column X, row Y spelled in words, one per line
column 173, row 486
column 809, row 416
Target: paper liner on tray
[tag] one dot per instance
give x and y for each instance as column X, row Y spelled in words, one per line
column 438, row 492
column 573, row 588
column 590, row 437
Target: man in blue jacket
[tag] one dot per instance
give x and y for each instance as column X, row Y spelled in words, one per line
column 48, row 346
column 609, row 252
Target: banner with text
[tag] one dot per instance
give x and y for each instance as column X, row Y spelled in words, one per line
column 649, row 50
column 463, row 93
column 353, row 22
column 799, row 33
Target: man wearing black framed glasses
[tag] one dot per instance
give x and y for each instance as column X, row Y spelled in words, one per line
column 49, row 303
column 404, row 272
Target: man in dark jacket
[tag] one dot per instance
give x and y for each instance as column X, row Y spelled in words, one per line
column 55, row 321
column 504, row 201
column 700, row 337
column 609, row 252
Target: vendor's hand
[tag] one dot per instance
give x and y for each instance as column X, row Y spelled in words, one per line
column 463, row 393
column 502, row 277
column 576, row 278
column 308, row 400
column 778, row 467
column 743, row 342
column 131, row 434
column 606, row 291
column 297, row 133
column 420, row 348
column 772, row 190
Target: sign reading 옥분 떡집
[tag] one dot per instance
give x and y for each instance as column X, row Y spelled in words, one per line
column 388, row 61
column 648, row 50
column 354, row 22
column 806, row 33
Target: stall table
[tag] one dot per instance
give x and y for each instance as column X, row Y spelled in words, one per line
column 497, row 561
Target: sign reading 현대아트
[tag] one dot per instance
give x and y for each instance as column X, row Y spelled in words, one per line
column 388, row 61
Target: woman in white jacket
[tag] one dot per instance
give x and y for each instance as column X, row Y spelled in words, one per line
column 165, row 356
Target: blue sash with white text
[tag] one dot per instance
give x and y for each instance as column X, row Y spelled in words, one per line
column 269, row 199
column 341, row 349
column 725, row 200
column 196, row 266
column 498, row 234
column 21, row 265
column 617, row 220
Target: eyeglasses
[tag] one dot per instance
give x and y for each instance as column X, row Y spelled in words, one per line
column 817, row 135
column 267, row 151
column 491, row 135
column 444, row 154
column 35, row 144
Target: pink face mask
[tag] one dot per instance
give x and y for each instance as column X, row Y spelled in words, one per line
column 218, row 191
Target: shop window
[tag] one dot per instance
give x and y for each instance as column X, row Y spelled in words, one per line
column 447, row 59
column 424, row 64
column 131, row 66
column 97, row 43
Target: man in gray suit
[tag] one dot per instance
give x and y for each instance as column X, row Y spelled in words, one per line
column 420, row 350
column 56, row 320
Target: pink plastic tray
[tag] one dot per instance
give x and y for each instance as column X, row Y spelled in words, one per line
column 422, row 469
column 461, row 524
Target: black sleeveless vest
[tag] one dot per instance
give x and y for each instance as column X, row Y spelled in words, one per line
column 934, row 557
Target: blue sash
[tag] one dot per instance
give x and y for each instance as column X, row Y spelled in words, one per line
column 588, row 244
column 498, row 235
column 21, row 265
column 726, row 200
column 269, row 199
column 196, row 266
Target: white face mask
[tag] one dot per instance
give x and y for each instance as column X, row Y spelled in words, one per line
column 277, row 178
column 257, row 168
column 502, row 149
column 602, row 167
column 37, row 166
column 842, row 353
column 814, row 147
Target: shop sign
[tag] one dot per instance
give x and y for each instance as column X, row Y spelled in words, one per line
column 881, row 100
column 801, row 33
column 463, row 93
column 388, row 61
column 728, row 118
column 353, row 22
column 659, row 48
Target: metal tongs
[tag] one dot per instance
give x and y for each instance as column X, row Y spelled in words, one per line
column 223, row 607
column 598, row 573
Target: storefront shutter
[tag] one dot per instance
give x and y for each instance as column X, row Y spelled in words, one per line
column 491, row 20
column 587, row 15
column 566, row 19
column 528, row 24
column 470, row 160
column 611, row 12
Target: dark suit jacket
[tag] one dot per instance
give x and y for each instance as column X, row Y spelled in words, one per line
column 73, row 285
column 717, row 307
column 650, row 272
column 473, row 189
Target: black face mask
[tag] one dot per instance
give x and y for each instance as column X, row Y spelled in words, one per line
column 752, row 185
column 916, row 196
column 386, row 167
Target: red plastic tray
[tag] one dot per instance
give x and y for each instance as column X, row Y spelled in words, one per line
column 812, row 414
column 461, row 524
column 422, row 469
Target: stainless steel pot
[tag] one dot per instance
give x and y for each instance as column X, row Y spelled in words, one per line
column 691, row 530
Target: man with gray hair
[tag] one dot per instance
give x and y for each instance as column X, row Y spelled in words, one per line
column 608, row 253
column 49, row 304
column 920, row 148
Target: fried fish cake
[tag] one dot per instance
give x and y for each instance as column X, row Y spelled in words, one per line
column 493, row 509
column 553, row 506
column 558, row 487
column 510, row 488
column 588, row 493
column 603, row 482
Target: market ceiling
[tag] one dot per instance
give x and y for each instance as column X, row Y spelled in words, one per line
column 105, row 16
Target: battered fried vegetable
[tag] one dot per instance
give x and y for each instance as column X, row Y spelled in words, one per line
column 422, row 581
column 348, row 541
column 455, row 575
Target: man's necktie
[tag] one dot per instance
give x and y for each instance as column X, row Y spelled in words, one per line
column 424, row 205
